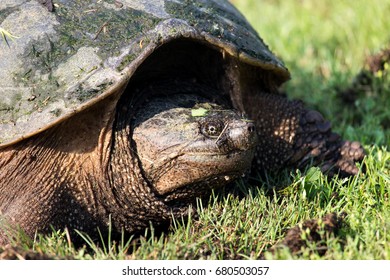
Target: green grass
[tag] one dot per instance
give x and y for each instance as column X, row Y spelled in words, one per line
column 324, row 44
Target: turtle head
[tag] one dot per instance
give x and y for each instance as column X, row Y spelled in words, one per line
column 185, row 141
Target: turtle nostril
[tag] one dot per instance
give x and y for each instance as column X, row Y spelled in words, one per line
column 251, row 127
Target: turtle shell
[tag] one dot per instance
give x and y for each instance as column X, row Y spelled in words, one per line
column 54, row 64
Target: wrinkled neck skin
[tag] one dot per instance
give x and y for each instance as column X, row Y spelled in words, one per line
column 85, row 171
column 59, row 177
column 65, row 178
column 169, row 158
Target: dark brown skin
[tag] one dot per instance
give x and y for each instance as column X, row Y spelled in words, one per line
column 96, row 164
column 49, row 179
column 291, row 135
column 88, row 168
column 216, row 143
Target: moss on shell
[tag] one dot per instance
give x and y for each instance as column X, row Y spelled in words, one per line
column 216, row 20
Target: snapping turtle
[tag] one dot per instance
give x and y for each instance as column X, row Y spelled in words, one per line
column 133, row 108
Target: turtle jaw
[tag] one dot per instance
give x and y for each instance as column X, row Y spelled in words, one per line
column 213, row 162
column 177, row 147
column 203, row 169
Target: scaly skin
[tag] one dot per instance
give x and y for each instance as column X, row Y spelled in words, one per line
column 88, row 168
column 85, row 169
column 291, row 135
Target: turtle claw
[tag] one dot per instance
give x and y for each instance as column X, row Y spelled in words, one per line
column 352, row 150
column 350, row 154
column 318, row 145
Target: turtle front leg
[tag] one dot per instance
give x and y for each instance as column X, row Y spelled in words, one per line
column 293, row 136
column 316, row 143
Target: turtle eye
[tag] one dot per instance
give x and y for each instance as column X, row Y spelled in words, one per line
column 212, row 128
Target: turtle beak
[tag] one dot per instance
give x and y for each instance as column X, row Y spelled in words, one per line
column 198, row 162
column 239, row 135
